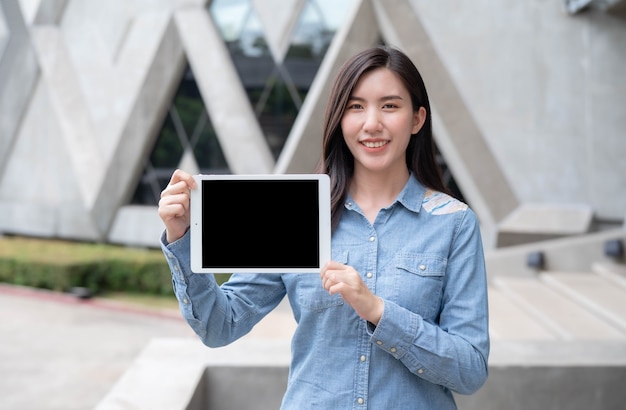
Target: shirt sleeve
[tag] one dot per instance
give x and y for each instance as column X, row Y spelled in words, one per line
column 219, row 315
column 453, row 352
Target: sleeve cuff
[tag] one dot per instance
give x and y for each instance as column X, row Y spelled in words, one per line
column 395, row 331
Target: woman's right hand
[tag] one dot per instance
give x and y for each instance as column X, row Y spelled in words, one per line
column 174, row 205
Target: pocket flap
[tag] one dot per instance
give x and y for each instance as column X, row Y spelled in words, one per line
column 422, row 264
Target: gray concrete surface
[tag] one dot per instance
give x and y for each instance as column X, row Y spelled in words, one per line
column 178, row 374
column 58, row 353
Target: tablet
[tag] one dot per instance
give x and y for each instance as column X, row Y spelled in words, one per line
column 277, row 223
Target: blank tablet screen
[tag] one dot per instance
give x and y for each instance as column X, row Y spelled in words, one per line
column 260, row 224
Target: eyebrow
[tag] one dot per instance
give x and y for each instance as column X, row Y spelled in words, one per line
column 385, row 98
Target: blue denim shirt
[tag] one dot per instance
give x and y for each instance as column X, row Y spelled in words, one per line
column 423, row 256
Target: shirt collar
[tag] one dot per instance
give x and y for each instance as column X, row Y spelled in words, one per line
column 412, row 195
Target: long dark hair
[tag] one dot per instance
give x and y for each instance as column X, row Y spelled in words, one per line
column 337, row 160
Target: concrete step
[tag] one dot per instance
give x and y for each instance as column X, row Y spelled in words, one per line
column 594, row 293
column 548, row 300
column 611, row 271
column 509, row 321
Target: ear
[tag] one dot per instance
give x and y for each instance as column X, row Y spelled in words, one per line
column 419, row 118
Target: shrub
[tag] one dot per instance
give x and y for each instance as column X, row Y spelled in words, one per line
column 61, row 265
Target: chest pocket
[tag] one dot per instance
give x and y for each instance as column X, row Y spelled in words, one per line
column 418, row 282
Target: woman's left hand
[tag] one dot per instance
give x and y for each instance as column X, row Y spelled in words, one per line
column 345, row 280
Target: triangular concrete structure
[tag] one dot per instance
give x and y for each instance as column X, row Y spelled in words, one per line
column 278, row 19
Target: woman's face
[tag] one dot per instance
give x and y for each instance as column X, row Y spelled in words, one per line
column 378, row 122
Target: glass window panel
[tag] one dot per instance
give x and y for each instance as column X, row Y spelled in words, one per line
column 186, row 127
column 276, row 92
column 277, row 116
column 188, row 105
column 207, row 151
column 334, row 12
column 168, row 148
column 230, row 16
column 311, row 36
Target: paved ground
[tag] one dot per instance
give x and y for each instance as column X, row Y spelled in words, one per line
column 58, row 352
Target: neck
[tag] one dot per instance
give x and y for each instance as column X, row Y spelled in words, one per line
column 375, row 190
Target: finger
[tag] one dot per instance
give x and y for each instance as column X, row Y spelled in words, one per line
column 328, row 281
column 179, row 182
column 180, row 175
column 174, row 205
column 324, row 271
column 336, row 288
column 171, row 211
column 180, row 187
column 334, row 265
column 171, row 198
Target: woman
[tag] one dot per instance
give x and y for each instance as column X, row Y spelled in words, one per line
column 398, row 319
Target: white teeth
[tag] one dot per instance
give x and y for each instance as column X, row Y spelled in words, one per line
column 376, row 144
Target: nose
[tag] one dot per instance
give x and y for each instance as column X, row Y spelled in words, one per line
column 372, row 121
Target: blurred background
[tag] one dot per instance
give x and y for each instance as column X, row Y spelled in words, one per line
column 101, row 101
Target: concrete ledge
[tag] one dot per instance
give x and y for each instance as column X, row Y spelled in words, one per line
column 536, row 222
column 557, row 353
column 569, row 254
column 241, row 388
column 176, row 374
column 552, row 375
column 137, row 225
column 539, row 387
column 170, row 374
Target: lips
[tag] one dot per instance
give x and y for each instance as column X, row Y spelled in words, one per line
column 374, row 144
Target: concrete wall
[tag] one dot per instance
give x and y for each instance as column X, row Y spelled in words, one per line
column 528, row 104
column 547, row 90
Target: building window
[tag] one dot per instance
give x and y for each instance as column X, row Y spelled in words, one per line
column 186, row 136
column 277, row 84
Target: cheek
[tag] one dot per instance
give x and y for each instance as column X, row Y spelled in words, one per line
column 350, row 143
column 410, row 127
column 346, row 127
column 349, row 132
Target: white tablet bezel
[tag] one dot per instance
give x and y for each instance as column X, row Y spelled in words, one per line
column 324, row 222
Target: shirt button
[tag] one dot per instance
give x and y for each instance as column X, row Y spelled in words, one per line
column 393, row 350
column 369, row 274
column 360, row 400
column 185, row 301
column 372, row 239
column 363, row 358
column 420, row 371
column 379, row 343
column 422, row 267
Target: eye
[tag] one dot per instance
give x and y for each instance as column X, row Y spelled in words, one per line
column 354, row 106
column 392, row 103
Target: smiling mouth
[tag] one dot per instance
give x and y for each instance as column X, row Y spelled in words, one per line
column 375, row 144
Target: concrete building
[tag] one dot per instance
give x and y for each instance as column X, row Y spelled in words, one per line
column 101, row 101
column 528, row 103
